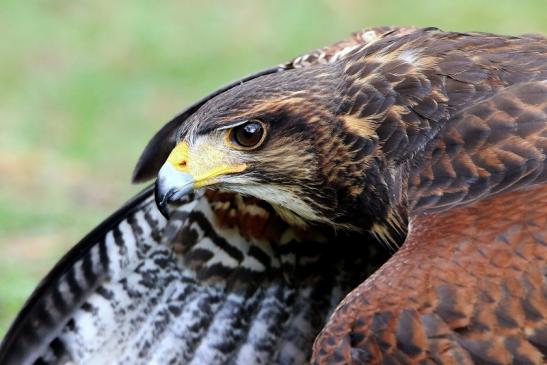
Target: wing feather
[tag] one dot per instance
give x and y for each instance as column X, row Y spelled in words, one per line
column 468, row 286
column 496, row 145
column 76, row 276
column 196, row 289
column 461, row 288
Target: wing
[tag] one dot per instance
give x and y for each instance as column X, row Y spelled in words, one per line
column 225, row 280
column 494, row 146
column 73, row 279
column 206, row 287
column 468, row 286
column 462, row 110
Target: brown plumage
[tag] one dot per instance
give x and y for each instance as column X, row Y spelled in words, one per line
column 468, row 286
column 441, row 134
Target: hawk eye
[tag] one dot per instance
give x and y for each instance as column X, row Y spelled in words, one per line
column 249, row 135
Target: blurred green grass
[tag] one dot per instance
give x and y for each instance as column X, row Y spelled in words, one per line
column 84, row 85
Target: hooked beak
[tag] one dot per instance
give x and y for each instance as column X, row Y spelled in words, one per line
column 171, row 186
column 179, row 176
column 174, row 180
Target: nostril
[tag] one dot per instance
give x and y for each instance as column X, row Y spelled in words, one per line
column 182, row 164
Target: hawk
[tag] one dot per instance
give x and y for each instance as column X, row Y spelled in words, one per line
column 379, row 200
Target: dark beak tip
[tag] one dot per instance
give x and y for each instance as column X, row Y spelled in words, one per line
column 161, row 199
column 162, row 207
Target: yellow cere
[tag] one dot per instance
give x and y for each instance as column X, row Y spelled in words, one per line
column 178, row 158
column 203, row 162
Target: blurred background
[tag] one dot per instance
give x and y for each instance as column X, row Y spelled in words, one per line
column 84, row 85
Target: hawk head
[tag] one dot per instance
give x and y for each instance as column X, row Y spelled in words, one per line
column 283, row 139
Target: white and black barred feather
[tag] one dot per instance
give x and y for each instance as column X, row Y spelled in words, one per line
column 141, row 290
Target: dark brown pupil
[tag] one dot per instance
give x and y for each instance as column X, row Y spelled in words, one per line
column 249, row 134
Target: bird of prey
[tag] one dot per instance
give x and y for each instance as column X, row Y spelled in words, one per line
column 382, row 200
